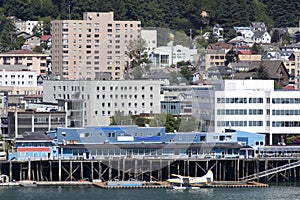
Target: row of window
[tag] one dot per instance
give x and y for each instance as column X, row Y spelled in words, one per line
column 16, row 83
column 94, row 40
column 285, row 112
column 75, row 24
column 104, row 88
column 7, row 58
column 16, row 76
column 239, row 112
column 123, row 88
column 124, row 96
column 286, row 100
column 172, row 107
column 35, row 144
column 109, row 113
column 129, row 104
column 241, row 100
column 239, row 123
column 259, row 123
column 256, row 112
column 286, row 124
column 154, row 152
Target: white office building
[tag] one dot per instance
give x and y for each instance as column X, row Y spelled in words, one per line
column 101, row 99
column 249, row 105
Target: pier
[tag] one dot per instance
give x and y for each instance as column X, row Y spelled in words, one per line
column 151, row 169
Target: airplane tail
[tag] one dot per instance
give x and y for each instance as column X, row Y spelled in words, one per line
column 209, row 176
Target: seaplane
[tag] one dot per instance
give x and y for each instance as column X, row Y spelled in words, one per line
column 187, row 182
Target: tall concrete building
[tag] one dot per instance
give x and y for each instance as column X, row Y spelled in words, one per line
column 93, row 48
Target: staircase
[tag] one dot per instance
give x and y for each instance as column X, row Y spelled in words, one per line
column 271, row 171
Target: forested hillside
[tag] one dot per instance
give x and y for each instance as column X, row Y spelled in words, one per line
column 174, row 14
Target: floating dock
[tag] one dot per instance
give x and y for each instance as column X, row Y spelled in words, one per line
column 144, row 185
column 52, row 183
column 162, row 184
column 236, row 184
column 64, row 183
column 132, row 185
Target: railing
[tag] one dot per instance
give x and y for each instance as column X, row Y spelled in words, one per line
column 272, row 171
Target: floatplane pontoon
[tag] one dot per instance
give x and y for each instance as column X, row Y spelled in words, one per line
column 187, row 182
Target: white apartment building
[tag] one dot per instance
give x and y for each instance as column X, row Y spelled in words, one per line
column 246, row 32
column 150, row 37
column 249, row 105
column 102, row 99
column 166, row 56
column 85, row 49
column 27, row 26
column 18, row 78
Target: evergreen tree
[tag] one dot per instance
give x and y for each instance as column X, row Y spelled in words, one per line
column 7, row 34
column 261, row 72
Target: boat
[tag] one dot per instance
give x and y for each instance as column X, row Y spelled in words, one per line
column 27, row 183
column 187, row 182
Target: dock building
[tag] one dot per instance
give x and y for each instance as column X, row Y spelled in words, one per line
column 152, row 142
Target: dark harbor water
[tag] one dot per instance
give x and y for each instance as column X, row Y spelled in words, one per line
column 290, row 192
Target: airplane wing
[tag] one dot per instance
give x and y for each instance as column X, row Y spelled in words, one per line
column 176, row 175
column 175, row 180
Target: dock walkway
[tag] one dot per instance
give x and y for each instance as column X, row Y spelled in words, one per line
column 145, row 185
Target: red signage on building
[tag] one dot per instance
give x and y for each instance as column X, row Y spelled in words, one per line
column 34, row 149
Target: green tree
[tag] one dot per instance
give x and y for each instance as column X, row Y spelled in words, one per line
column 137, row 73
column 139, row 60
column 164, row 120
column 261, row 72
column 159, row 120
column 38, row 30
column 189, row 123
column 120, row 119
column 261, row 13
column 291, row 139
column 7, row 34
column 38, row 49
column 46, row 27
column 257, row 49
column 277, row 85
column 186, row 75
column 285, row 39
column 135, row 52
column 140, row 121
column 170, row 123
column 174, row 78
column 180, row 38
column 18, row 43
column 212, row 39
